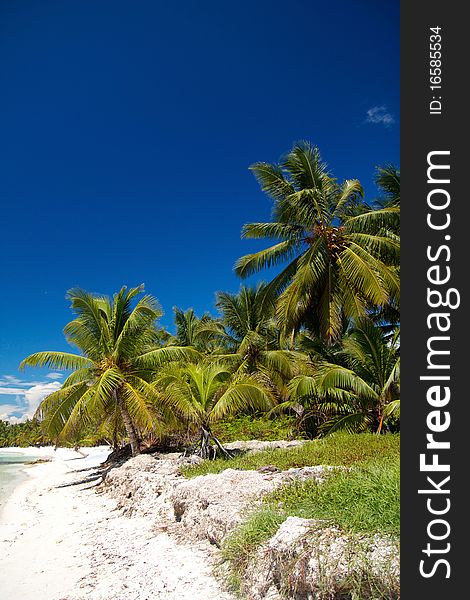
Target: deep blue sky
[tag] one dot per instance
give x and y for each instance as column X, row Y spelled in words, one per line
column 127, row 130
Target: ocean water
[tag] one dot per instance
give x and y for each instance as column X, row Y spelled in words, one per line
column 12, row 465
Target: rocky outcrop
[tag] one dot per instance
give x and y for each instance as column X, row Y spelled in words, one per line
column 306, row 560
column 142, row 485
column 258, row 446
column 206, row 507
column 210, row 506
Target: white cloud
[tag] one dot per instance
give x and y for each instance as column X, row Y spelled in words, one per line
column 13, row 420
column 10, row 379
column 36, row 393
column 27, row 398
column 7, row 413
column 379, row 114
column 11, row 391
column 54, row 375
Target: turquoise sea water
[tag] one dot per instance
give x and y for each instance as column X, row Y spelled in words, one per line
column 12, row 467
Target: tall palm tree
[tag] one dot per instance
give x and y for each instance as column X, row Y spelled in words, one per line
column 360, row 392
column 206, row 392
column 339, row 263
column 110, row 379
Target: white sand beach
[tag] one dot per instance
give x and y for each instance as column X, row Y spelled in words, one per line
column 61, row 541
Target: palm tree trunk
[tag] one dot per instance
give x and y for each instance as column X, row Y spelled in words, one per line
column 205, row 443
column 128, row 424
column 379, row 428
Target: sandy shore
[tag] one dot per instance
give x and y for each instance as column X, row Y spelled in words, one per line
column 61, row 541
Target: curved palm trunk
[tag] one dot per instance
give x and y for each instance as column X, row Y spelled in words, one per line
column 128, row 424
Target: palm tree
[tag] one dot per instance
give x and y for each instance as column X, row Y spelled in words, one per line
column 247, row 318
column 363, row 390
column 206, row 392
column 388, row 180
column 119, row 355
column 203, row 334
column 339, row 263
column 253, row 338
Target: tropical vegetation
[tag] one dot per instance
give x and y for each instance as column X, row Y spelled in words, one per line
column 341, row 255
column 317, row 344
column 110, row 381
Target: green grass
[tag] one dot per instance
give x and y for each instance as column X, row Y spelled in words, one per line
column 363, row 499
column 340, row 449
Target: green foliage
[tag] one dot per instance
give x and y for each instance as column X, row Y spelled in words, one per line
column 388, row 180
column 251, row 427
column 206, row 392
column 358, row 388
column 240, row 546
column 23, row 435
column 337, row 449
column 203, row 334
column 340, row 260
column 120, row 352
column 363, row 500
column 294, row 348
column 249, row 311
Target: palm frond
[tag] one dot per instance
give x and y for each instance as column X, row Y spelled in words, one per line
column 56, row 360
column 350, row 191
column 374, row 220
column 154, row 359
column 272, row 180
column 282, row 231
column 140, row 407
column 90, row 309
column 55, row 409
column 253, row 263
column 241, row 396
column 355, row 423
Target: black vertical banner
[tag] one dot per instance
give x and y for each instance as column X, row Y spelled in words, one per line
column 435, row 416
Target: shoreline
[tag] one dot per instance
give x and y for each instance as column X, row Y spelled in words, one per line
column 12, row 475
column 141, row 531
column 33, row 455
column 37, row 528
column 75, row 544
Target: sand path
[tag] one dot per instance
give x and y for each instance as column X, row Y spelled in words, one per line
column 69, row 543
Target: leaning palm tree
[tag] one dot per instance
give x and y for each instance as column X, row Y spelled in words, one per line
column 363, row 390
column 203, row 393
column 339, row 262
column 119, row 355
